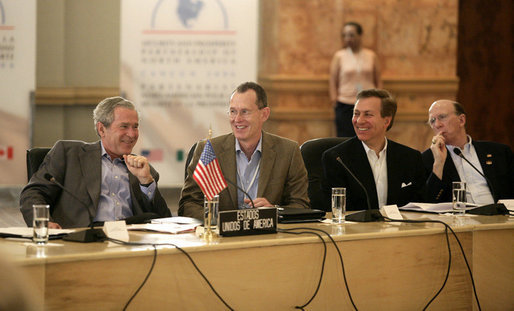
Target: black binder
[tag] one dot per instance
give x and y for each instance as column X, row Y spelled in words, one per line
column 287, row 215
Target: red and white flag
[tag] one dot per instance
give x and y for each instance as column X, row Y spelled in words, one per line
column 208, row 173
column 6, row 152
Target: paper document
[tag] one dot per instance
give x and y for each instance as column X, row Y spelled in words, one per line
column 163, row 228
column 445, row 207
column 177, row 220
column 509, row 204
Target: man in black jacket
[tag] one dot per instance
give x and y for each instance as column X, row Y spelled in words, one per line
column 443, row 166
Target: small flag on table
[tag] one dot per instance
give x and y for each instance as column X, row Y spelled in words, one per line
column 208, row 173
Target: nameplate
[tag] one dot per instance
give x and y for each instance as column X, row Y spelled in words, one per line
column 248, row 221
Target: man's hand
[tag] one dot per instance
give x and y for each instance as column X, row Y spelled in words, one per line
column 440, row 153
column 53, row 225
column 139, row 167
column 258, row 202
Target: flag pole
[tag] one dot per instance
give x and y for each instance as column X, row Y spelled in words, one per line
column 208, row 233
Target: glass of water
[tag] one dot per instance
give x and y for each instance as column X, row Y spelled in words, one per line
column 214, row 211
column 338, row 205
column 459, row 197
column 40, row 223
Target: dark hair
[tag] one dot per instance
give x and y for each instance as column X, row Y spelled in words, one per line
column 262, row 99
column 104, row 111
column 459, row 109
column 357, row 26
column 389, row 105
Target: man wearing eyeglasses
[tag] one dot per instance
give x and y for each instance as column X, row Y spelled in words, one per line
column 268, row 167
column 443, row 166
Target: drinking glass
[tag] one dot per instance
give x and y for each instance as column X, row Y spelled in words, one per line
column 459, row 197
column 338, row 205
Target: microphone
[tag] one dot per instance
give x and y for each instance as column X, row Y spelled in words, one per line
column 489, row 209
column 368, row 215
column 239, row 188
column 84, row 236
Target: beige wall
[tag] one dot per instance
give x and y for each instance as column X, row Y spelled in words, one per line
column 78, row 62
column 415, row 42
column 78, row 48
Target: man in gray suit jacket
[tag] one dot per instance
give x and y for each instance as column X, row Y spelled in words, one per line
column 268, row 167
column 103, row 176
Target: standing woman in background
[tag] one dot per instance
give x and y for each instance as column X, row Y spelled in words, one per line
column 353, row 69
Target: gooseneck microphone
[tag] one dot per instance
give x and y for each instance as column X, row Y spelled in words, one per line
column 368, row 215
column 84, row 236
column 458, row 152
column 239, row 188
column 489, row 209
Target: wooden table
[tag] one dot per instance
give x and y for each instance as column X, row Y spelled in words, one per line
column 389, row 266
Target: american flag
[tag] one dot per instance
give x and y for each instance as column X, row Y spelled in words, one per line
column 208, row 173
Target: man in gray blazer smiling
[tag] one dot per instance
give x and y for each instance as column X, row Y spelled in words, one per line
column 104, row 176
column 268, row 167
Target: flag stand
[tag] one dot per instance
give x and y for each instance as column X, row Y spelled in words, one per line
column 208, row 234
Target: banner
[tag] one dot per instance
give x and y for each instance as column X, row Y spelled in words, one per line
column 180, row 61
column 17, row 81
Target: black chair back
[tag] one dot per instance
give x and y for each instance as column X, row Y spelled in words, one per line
column 189, row 158
column 35, row 157
column 311, row 153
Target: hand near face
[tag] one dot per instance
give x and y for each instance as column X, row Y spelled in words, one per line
column 440, row 153
column 139, row 167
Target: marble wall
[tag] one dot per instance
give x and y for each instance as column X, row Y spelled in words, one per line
column 415, row 41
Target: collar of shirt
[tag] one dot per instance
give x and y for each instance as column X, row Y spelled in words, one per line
column 371, row 153
column 108, row 157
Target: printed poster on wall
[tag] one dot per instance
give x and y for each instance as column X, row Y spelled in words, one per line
column 17, row 81
column 180, row 61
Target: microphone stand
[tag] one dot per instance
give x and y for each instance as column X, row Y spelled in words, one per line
column 84, row 236
column 369, row 215
column 488, row 209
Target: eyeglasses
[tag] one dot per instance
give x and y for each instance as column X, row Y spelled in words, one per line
column 440, row 118
column 244, row 113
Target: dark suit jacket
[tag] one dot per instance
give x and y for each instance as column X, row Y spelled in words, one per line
column 282, row 179
column 405, row 175
column 497, row 163
column 77, row 165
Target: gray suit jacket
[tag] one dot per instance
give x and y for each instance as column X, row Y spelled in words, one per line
column 77, row 165
column 282, row 180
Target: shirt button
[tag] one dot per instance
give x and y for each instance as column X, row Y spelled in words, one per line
column 116, row 177
column 112, row 193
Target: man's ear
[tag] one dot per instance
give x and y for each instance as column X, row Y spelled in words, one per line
column 388, row 121
column 265, row 113
column 100, row 128
column 462, row 120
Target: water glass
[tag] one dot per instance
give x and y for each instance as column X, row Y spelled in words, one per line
column 40, row 223
column 214, row 211
column 338, row 205
column 459, row 197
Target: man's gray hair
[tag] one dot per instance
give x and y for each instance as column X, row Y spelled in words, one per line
column 104, row 111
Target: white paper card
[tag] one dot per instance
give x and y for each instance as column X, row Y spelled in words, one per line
column 116, row 230
column 391, row 211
